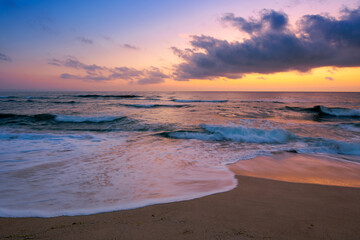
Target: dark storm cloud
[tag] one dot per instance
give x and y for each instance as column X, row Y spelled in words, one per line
column 273, row 46
column 269, row 19
column 4, row 57
column 94, row 72
column 344, row 32
column 84, row 40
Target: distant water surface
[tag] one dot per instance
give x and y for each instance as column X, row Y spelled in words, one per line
column 70, row 153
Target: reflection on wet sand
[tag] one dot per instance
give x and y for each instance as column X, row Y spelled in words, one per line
column 302, row 168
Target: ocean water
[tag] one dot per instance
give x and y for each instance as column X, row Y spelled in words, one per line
column 71, row 153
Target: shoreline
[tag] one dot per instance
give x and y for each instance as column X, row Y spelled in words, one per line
column 257, row 208
column 321, row 169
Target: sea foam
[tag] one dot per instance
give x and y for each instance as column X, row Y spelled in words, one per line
column 79, row 119
column 327, row 111
column 332, row 146
column 340, row 112
column 237, row 133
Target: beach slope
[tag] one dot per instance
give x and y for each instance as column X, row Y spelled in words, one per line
column 256, row 209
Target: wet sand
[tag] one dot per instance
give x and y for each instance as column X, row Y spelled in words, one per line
column 303, row 168
column 256, row 209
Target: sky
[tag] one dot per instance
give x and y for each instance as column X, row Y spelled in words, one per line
column 168, row 45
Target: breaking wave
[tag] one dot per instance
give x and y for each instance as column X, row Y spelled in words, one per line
column 237, row 133
column 328, row 111
column 13, row 118
column 243, row 134
column 51, row 122
column 93, row 119
column 325, row 145
column 338, row 112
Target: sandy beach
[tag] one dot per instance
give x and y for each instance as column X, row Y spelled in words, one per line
column 192, row 119
column 256, row 209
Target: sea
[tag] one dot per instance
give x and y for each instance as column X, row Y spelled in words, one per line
column 78, row 153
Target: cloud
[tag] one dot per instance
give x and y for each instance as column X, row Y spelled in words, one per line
column 273, row 46
column 129, row 46
column 93, row 72
column 54, row 62
column 43, row 23
column 84, row 40
column 125, row 45
column 332, row 70
column 150, row 80
column 329, row 78
column 86, row 77
column 72, row 62
column 5, row 57
column 269, row 20
column 152, row 76
column 107, row 38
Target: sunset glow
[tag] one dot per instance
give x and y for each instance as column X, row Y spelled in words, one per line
column 137, row 45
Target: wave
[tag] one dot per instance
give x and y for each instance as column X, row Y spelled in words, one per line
column 197, row 100
column 353, row 127
column 7, row 97
column 39, row 136
column 240, row 133
column 107, row 96
column 237, row 133
column 52, row 122
column 299, row 109
column 36, row 97
column 326, row 145
column 28, row 97
column 327, row 111
column 36, row 117
column 18, row 118
column 67, row 102
column 14, row 213
column 338, row 112
column 262, row 101
column 153, row 105
column 347, row 148
column 10, row 100
column 91, row 119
